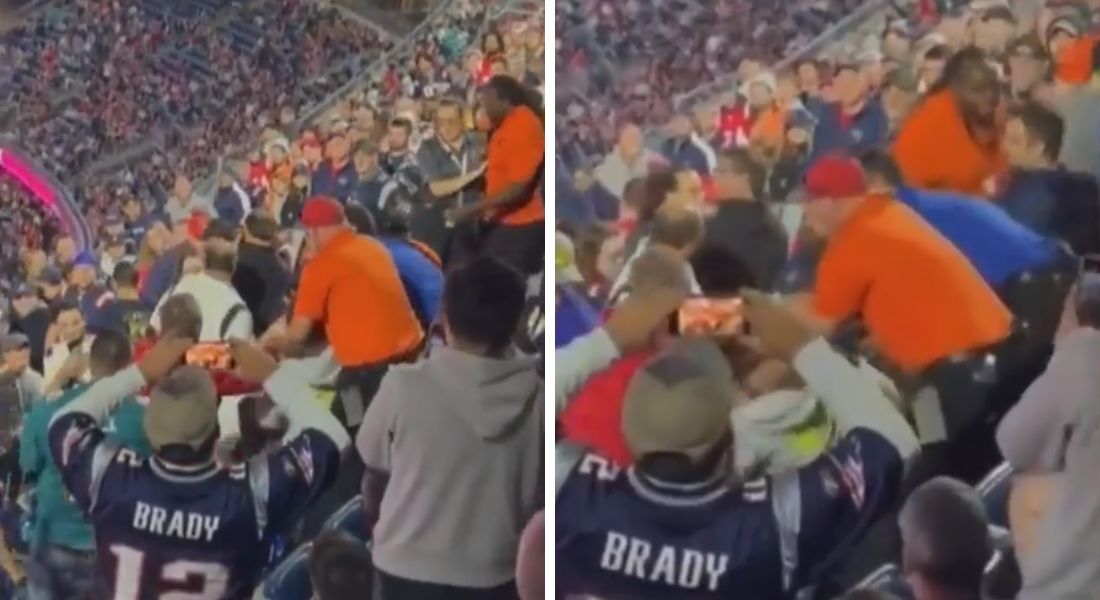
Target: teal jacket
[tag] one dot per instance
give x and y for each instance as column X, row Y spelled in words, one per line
column 56, row 520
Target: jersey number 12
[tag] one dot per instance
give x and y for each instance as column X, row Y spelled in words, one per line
column 213, row 577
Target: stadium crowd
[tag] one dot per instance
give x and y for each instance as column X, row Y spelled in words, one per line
column 323, row 378
column 834, row 336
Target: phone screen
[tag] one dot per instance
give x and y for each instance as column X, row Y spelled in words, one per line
column 210, row 356
column 705, row 316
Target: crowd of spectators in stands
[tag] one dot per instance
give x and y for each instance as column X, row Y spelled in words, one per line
column 891, row 246
column 389, row 243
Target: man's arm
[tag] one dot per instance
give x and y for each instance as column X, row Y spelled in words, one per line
column 580, row 359
column 443, row 188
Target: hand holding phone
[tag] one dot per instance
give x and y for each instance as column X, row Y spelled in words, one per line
column 213, row 356
column 710, row 316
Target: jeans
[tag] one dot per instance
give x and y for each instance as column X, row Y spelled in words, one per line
column 57, row 573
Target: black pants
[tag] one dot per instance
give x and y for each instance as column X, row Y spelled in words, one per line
column 355, row 388
column 1036, row 298
column 522, row 246
column 391, row 587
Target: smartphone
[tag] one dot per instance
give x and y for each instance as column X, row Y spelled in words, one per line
column 710, row 316
column 214, row 356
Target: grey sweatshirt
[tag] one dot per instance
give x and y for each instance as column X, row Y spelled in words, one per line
column 461, row 437
column 1033, row 435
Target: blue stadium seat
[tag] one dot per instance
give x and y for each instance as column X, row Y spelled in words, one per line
column 290, row 580
column 994, row 490
column 349, row 518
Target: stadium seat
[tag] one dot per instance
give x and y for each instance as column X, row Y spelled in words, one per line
column 887, row 578
column 994, row 489
column 289, row 580
column 1002, row 579
column 349, row 518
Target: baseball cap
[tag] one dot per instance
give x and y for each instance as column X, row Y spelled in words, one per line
column 13, row 341
column 85, row 259
column 1027, row 46
column 321, row 211
column 183, row 409
column 835, row 176
column 50, row 276
column 1065, row 24
column 679, row 402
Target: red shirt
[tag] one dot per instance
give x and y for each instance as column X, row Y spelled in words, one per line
column 594, row 417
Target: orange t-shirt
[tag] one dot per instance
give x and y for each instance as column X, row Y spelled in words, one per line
column 936, row 151
column 515, row 153
column 920, row 298
column 352, row 287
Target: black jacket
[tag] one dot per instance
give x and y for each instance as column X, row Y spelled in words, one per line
column 751, row 232
column 263, row 283
column 1056, row 203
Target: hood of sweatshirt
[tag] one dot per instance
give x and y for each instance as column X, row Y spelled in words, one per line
column 494, row 395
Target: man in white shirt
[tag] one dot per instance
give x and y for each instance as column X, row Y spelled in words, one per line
column 73, row 335
column 224, row 314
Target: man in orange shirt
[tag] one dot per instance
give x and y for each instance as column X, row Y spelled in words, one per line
column 352, row 289
column 511, row 214
column 926, row 309
column 951, row 141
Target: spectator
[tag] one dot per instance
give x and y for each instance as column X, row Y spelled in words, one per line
column 957, row 117
column 418, row 265
column 684, row 150
column 452, row 162
column 336, row 176
column 399, row 155
column 1037, row 192
column 70, row 326
column 259, row 276
column 1077, row 98
column 62, row 541
column 231, row 203
column 372, row 184
column 690, row 387
column 339, row 566
column 125, row 311
column 899, row 96
column 480, row 406
column 31, row 317
column 676, row 227
column 352, row 289
column 744, row 224
column 225, row 315
column 21, row 387
column 946, row 545
column 856, row 121
column 184, row 202
column 629, row 159
column 1028, row 65
column 512, row 207
column 181, row 425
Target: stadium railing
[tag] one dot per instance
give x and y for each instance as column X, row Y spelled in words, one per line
column 48, row 190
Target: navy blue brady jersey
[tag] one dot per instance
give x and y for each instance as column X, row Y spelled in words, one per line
column 621, row 535
column 163, row 533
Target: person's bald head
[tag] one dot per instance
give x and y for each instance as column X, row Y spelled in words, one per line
column 945, row 538
column 677, row 226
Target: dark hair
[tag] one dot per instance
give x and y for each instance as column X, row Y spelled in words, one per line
column 877, row 162
column 450, row 102
column 110, row 351
column 512, row 91
column 181, row 316
column 488, row 34
column 220, row 256
column 339, row 566
column 945, row 534
column 1044, row 126
column 402, row 123
column 65, row 306
column 261, row 225
column 483, row 301
column 366, row 147
column 360, row 219
column 720, row 271
column 125, row 275
column 959, row 67
column 657, row 187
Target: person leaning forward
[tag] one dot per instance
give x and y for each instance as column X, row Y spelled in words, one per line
column 352, row 289
column 924, row 305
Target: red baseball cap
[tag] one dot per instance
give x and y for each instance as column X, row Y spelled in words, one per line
column 321, row 211
column 835, row 176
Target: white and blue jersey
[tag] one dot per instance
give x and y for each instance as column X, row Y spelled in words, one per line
column 622, row 535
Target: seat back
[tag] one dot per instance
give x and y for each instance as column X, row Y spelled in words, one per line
column 290, row 580
column 349, row 518
column 994, row 490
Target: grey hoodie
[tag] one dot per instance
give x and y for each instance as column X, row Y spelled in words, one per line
column 462, row 439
